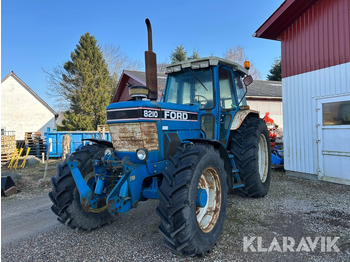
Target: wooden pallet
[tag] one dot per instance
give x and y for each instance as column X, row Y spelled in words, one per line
column 8, row 144
column 37, row 150
column 36, row 143
column 8, row 148
column 102, row 128
column 32, row 136
column 6, row 158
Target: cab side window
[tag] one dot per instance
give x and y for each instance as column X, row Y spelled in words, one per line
column 240, row 90
column 227, row 95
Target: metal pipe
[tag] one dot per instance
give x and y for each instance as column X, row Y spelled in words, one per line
column 151, row 66
column 149, row 32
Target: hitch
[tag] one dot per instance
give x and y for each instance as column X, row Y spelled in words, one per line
column 118, row 200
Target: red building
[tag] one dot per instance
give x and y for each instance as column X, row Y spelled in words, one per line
column 315, row 44
column 135, row 78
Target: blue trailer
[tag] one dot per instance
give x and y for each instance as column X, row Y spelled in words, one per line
column 54, row 140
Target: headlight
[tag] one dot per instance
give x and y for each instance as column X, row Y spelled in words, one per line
column 198, row 65
column 173, row 69
column 142, row 154
column 109, row 151
column 177, row 68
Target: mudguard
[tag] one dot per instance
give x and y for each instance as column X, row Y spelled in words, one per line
column 99, row 141
column 240, row 116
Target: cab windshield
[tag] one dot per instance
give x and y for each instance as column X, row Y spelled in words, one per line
column 191, row 88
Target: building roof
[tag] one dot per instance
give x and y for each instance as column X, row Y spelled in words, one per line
column 140, row 76
column 265, row 89
column 284, row 16
column 30, row 91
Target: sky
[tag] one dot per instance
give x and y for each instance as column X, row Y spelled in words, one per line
column 38, row 35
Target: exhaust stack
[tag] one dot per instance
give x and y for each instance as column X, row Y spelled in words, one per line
column 151, row 65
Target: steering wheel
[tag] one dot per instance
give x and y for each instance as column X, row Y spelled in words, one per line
column 202, row 100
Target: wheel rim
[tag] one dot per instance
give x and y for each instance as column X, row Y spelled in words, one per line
column 263, row 158
column 208, row 215
column 91, row 182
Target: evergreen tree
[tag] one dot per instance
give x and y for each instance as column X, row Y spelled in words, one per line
column 178, row 55
column 195, row 55
column 87, row 86
column 275, row 71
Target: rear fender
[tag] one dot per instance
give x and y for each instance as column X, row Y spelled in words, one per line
column 240, row 116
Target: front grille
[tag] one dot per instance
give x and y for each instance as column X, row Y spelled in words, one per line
column 129, row 137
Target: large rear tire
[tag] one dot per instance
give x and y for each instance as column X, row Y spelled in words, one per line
column 250, row 145
column 190, row 225
column 65, row 195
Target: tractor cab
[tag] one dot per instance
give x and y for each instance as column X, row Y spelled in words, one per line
column 215, row 86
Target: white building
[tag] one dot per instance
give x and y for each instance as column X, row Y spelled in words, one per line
column 266, row 97
column 22, row 110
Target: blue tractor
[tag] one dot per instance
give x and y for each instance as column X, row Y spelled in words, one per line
column 191, row 149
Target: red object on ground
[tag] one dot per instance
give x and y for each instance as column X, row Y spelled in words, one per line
column 268, row 119
column 271, row 127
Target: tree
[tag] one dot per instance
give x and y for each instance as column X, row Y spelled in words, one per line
column 195, row 55
column 117, row 61
column 86, row 85
column 178, row 55
column 237, row 54
column 275, row 71
column 161, row 67
column 55, row 89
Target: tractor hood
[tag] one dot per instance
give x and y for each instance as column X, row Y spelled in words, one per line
column 172, row 116
column 151, row 125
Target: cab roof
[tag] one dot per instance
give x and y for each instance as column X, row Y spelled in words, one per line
column 205, row 62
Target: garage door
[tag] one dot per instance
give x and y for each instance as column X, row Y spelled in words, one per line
column 333, row 130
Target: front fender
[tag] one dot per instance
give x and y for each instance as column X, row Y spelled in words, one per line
column 99, row 141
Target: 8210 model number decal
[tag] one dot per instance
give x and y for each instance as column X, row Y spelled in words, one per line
column 150, row 113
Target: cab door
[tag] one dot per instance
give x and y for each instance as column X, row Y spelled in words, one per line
column 227, row 103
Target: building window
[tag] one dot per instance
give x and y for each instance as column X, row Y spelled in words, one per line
column 336, row 113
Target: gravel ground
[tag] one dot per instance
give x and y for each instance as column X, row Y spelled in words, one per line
column 294, row 208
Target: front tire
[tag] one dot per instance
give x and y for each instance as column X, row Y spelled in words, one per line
column 65, row 195
column 189, row 226
column 250, row 145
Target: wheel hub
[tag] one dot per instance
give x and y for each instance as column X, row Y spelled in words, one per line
column 202, row 198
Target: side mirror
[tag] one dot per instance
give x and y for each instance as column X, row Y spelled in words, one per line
column 248, row 80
